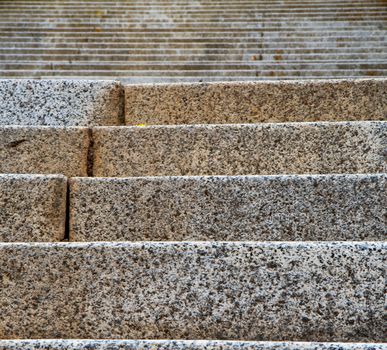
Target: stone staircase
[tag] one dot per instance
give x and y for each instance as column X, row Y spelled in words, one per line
column 219, row 216
column 201, row 40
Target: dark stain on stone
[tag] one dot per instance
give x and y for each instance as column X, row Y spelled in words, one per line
column 16, row 143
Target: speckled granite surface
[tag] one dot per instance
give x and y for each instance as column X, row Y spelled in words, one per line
column 32, row 208
column 235, row 291
column 332, row 207
column 180, row 345
column 252, row 102
column 60, row 102
column 259, row 149
column 44, row 150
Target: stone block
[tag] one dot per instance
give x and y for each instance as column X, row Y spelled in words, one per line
column 254, row 102
column 332, row 291
column 235, row 208
column 32, row 208
column 60, row 102
column 245, row 149
column 44, row 150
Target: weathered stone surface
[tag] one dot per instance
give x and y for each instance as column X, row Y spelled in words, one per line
column 179, row 344
column 44, row 150
column 241, row 208
column 252, row 291
column 256, row 149
column 32, row 208
column 252, row 102
column 60, row 102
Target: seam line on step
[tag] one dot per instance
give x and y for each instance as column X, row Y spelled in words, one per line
column 90, row 153
column 67, row 213
column 122, row 105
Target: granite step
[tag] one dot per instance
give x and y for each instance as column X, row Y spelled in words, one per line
column 330, row 291
column 177, row 75
column 228, row 208
column 226, row 32
column 60, row 102
column 240, row 149
column 189, row 43
column 221, row 58
column 213, row 21
column 186, row 51
column 32, row 208
column 127, row 39
column 140, row 79
column 301, row 101
column 256, row 67
column 69, row 344
column 182, row 16
column 44, row 150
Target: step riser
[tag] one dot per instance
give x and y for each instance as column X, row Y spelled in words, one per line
column 179, row 39
column 283, row 208
column 237, row 44
column 60, row 103
column 257, row 45
column 202, row 51
column 221, row 59
column 257, row 67
column 250, row 291
column 211, row 75
column 320, row 148
column 256, row 102
column 188, row 34
column 39, row 150
column 33, row 208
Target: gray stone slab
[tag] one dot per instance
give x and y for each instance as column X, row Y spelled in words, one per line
column 60, row 102
column 252, row 102
column 244, row 149
column 241, row 208
column 32, row 208
column 44, row 150
column 179, row 344
column 332, row 291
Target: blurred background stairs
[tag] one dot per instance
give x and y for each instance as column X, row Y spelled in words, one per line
column 200, row 40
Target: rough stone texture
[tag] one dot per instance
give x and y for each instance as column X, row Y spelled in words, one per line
column 255, row 149
column 232, row 291
column 32, row 208
column 335, row 207
column 252, row 102
column 60, row 102
column 44, row 150
column 179, row 344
